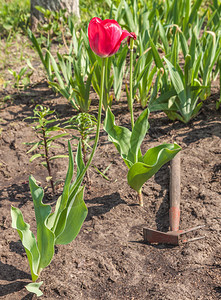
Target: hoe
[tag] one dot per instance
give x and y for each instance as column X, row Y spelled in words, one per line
column 175, row 235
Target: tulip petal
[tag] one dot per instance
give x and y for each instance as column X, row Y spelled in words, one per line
column 124, row 34
column 97, row 37
column 105, row 36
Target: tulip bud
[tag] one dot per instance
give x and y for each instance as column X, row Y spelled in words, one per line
column 105, row 36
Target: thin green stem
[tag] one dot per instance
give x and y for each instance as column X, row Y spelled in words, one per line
column 81, row 176
column 131, row 83
column 140, row 197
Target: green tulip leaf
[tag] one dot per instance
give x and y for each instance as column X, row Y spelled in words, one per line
column 62, row 200
column 73, row 189
column 69, row 176
column 45, row 236
column 73, row 217
column 153, row 160
column 79, row 161
column 33, row 287
column 138, row 133
column 28, row 241
column 177, row 82
column 118, row 135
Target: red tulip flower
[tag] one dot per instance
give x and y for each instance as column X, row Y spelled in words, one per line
column 105, row 36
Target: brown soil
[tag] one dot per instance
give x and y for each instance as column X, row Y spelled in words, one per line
column 109, row 259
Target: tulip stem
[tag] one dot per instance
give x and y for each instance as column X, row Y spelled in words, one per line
column 131, row 83
column 81, row 176
column 140, row 197
column 105, row 97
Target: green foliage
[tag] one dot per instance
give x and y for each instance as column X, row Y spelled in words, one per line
column 34, row 287
column 72, row 85
column 53, row 228
column 144, row 72
column 119, row 63
column 91, row 8
column 43, row 53
column 14, row 16
column 141, row 167
column 73, row 74
column 179, row 95
column 210, row 49
column 54, row 23
column 22, row 78
column 45, row 126
column 151, row 162
column 28, row 240
column 85, row 124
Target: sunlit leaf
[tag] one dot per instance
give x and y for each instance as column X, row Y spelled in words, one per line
column 34, row 287
column 153, row 160
column 28, row 241
column 45, row 236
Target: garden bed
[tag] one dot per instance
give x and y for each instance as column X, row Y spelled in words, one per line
column 108, row 259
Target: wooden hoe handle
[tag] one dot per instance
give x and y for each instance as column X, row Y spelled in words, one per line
column 174, row 212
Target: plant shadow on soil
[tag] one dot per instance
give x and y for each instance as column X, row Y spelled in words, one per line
column 102, row 205
column 11, row 273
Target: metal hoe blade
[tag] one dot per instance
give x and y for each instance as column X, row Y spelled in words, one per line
column 170, row 237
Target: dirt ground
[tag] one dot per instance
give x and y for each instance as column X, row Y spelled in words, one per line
column 109, row 259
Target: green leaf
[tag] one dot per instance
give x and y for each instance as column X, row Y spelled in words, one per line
column 157, row 58
column 57, row 156
column 194, row 11
column 175, row 49
column 79, row 161
column 153, row 160
column 118, row 70
column 33, row 287
column 179, row 87
column 138, row 133
column 163, row 37
column 183, row 43
column 36, row 156
column 176, row 80
column 162, row 102
column 7, row 26
column 102, row 174
column 45, row 236
column 28, row 241
column 129, row 18
column 62, row 201
column 120, row 136
column 187, row 71
column 35, row 146
column 73, row 216
column 56, row 70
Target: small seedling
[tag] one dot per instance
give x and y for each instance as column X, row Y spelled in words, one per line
column 44, row 118
column 22, row 78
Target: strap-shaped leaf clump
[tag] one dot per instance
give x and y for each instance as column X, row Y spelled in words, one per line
column 128, row 143
column 153, row 160
column 60, row 227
